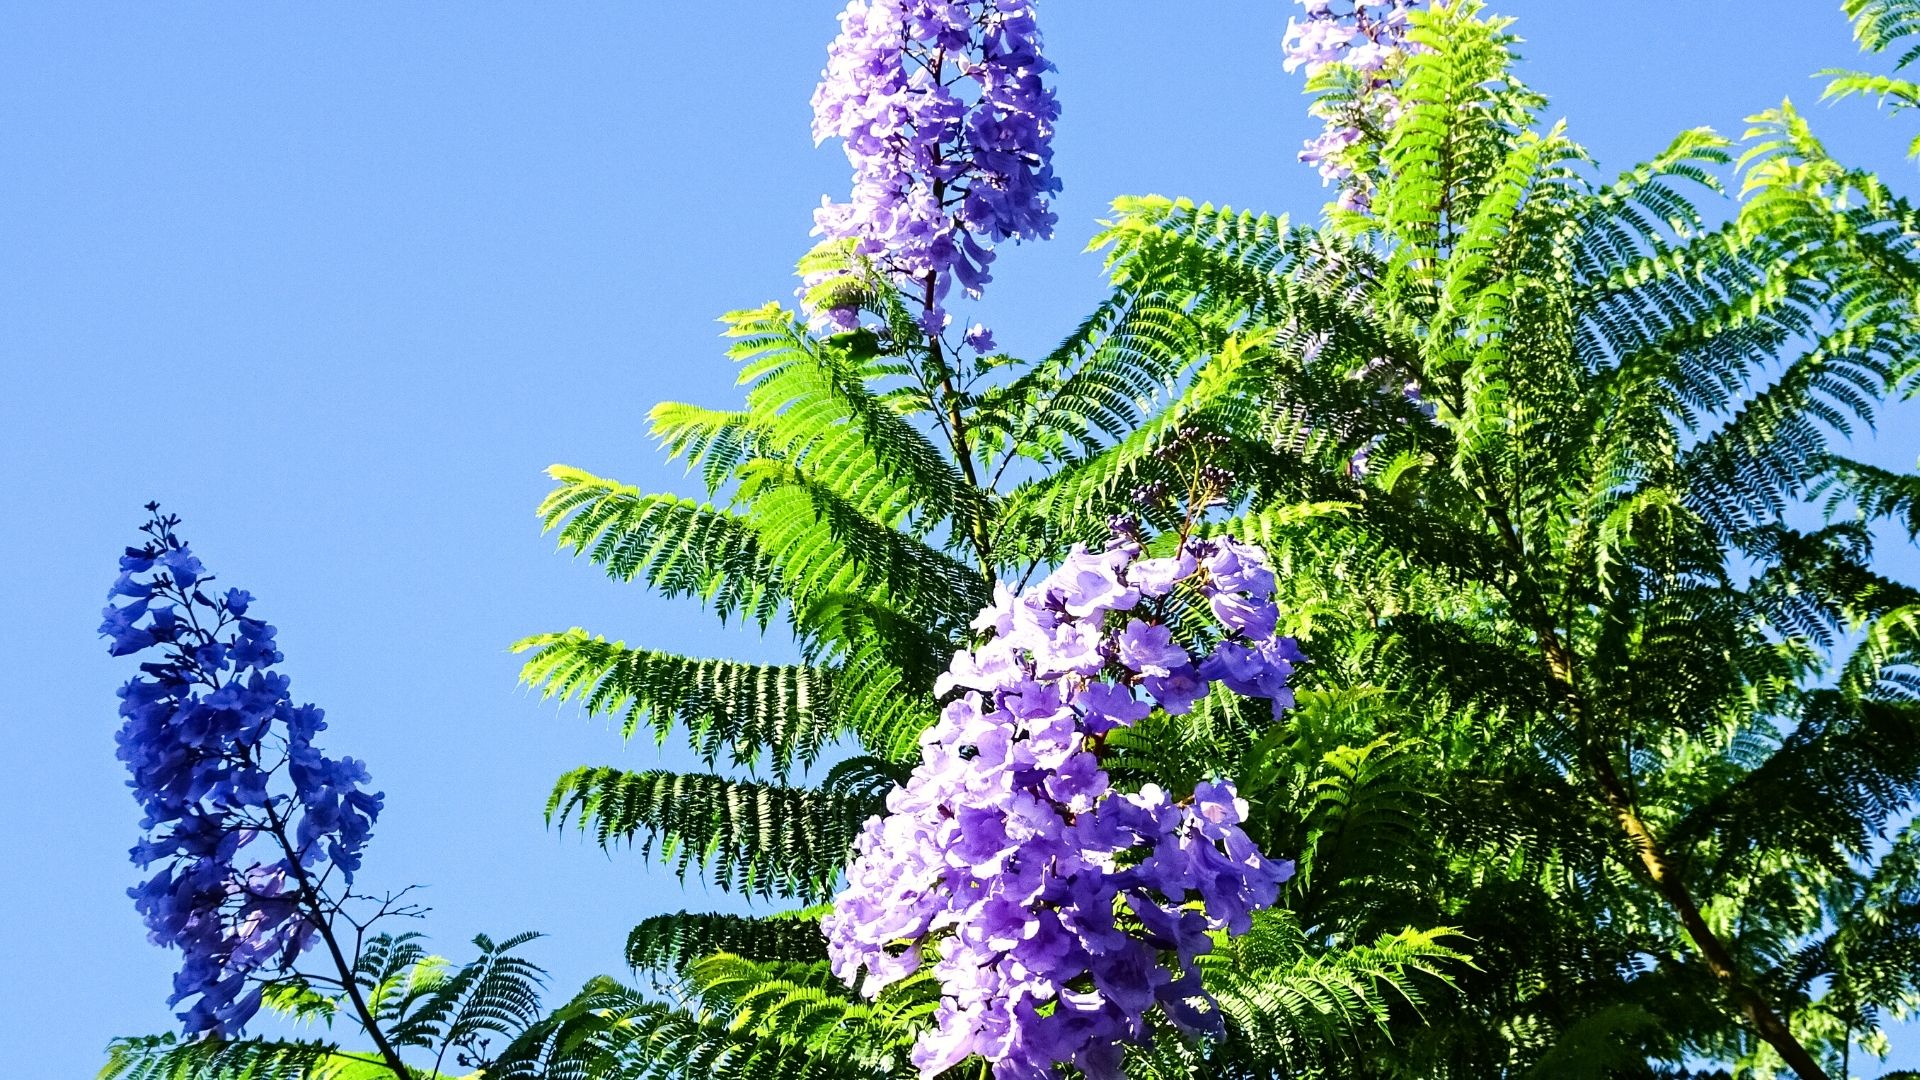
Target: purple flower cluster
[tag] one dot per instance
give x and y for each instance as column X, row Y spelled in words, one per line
column 209, row 732
column 1369, row 37
column 1058, row 912
column 949, row 127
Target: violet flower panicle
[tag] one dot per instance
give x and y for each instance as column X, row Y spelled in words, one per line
column 1002, row 859
column 946, row 118
column 1370, row 37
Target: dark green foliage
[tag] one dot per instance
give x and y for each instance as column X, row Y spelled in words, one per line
column 670, row 943
column 1581, row 603
column 423, row 1001
column 764, row 839
column 786, row 712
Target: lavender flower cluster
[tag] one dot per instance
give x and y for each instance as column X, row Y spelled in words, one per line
column 208, row 732
column 1058, row 913
column 1368, row 37
column 948, row 124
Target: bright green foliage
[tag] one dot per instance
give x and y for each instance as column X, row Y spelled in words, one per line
column 1607, row 756
column 732, row 1028
column 765, row 839
column 1606, row 759
column 678, row 547
column 740, row 1017
column 1879, row 26
column 1291, row 1009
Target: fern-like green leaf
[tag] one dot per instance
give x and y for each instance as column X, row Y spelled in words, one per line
column 765, row 839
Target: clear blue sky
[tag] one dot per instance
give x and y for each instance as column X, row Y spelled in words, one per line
column 336, row 282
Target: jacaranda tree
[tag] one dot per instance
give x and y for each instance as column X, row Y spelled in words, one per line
column 1439, row 641
column 881, row 476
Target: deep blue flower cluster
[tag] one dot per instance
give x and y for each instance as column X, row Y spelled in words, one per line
column 247, row 819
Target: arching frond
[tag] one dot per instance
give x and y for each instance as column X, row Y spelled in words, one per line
column 813, row 409
column 427, row 1002
column 806, row 1006
column 672, row 942
column 1101, row 382
column 1881, row 26
column 764, row 839
column 786, row 712
column 823, row 545
column 675, row 546
column 885, row 665
column 1875, row 492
